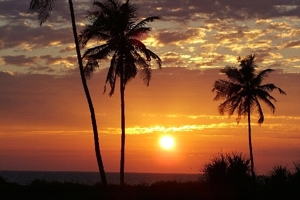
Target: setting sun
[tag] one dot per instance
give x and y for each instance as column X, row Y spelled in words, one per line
column 166, row 142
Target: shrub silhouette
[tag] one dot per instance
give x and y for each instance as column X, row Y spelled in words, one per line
column 278, row 183
column 296, row 173
column 229, row 176
column 228, row 167
column 295, row 182
column 280, row 175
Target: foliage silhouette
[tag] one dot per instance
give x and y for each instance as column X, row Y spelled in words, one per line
column 242, row 92
column 44, row 9
column 115, row 25
column 296, row 173
column 281, row 183
column 229, row 176
column 227, row 167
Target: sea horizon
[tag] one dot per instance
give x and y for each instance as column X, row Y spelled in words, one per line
column 89, row 177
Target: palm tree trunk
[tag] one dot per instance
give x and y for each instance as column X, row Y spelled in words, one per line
column 122, row 161
column 89, row 100
column 250, row 144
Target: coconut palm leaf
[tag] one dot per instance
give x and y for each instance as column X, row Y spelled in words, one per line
column 43, row 8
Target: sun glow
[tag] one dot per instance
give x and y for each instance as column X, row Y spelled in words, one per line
column 167, row 142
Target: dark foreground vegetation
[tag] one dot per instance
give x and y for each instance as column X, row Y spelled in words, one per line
column 225, row 177
column 172, row 190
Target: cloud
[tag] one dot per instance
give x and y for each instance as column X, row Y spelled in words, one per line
column 167, row 37
column 176, row 9
column 17, row 11
column 222, row 9
column 206, row 34
column 24, row 35
column 20, row 60
column 44, row 63
column 292, row 44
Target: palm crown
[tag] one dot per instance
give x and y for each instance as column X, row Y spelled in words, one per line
column 114, row 24
column 243, row 89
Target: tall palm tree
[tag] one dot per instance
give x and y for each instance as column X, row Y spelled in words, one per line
column 44, row 9
column 242, row 92
column 115, row 25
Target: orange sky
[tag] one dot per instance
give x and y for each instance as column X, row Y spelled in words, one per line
column 45, row 124
column 44, row 117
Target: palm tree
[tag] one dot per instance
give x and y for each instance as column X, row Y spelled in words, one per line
column 114, row 24
column 44, row 8
column 242, row 92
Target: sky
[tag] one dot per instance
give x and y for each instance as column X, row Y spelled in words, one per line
column 44, row 117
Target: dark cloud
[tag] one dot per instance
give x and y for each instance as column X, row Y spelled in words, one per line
column 13, row 35
column 175, row 9
column 220, row 9
column 41, row 64
column 19, row 60
column 15, row 10
column 230, row 37
column 68, row 49
column 167, row 37
column 49, row 60
column 171, row 58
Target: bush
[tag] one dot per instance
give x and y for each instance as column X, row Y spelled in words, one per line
column 229, row 176
column 232, row 167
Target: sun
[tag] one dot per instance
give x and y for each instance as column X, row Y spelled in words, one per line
column 167, row 142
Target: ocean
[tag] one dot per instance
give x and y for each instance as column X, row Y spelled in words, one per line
column 90, row 178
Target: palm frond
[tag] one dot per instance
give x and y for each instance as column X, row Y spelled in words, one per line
column 225, row 89
column 90, row 68
column 43, row 8
column 270, row 87
column 236, row 104
column 155, row 57
column 266, row 98
column 248, row 61
column 242, row 105
column 261, row 75
column 91, row 32
column 98, row 52
column 232, row 73
column 230, row 105
column 137, row 44
column 129, row 66
column 106, row 17
column 115, row 3
column 138, row 32
column 112, row 74
column 145, row 70
column 129, row 14
column 140, row 29
column 247, row 68
column 260, row 112
column 141, row 47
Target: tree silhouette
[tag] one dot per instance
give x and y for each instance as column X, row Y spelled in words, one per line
column 44, row 9
column 242, row 92
column 115, row 25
